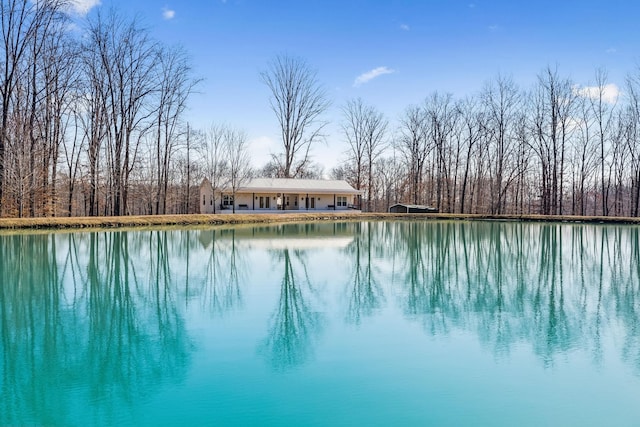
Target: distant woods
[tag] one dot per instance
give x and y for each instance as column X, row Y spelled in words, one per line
column 553, row 149
column 92, row 122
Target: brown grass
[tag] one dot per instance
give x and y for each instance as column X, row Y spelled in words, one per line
column 197, row 219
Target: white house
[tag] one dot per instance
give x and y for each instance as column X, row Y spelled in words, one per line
column 284, row 194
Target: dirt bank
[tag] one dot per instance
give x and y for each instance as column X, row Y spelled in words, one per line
column 193, row 220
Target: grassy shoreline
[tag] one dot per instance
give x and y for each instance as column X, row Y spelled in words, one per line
column 62, row 223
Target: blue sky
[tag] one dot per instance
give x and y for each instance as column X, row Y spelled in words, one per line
column 417, row 47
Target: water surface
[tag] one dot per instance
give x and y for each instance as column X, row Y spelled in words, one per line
column 373, row 323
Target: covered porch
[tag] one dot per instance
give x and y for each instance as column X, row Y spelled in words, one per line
column 282, row 195
column 283, row 202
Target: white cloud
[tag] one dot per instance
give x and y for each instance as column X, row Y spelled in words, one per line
column 168, row 14
column 610, row 92
column 493, row 28
column 370, row 75
column 82, row 7
column 611, row 50
column 405, row 27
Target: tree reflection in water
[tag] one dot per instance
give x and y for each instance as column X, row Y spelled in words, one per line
column 626, row 271
column 365, row 293
column 225, row 270
column 298, row 321
column 295, row 324
column 521, row 283
column 552, row 287
column 97, row 317
column 97, row 330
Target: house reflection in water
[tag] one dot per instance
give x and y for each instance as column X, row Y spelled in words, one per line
column 297, row 320
column 283, row 236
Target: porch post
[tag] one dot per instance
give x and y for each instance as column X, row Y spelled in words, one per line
column 253, row 199
column 334, row 202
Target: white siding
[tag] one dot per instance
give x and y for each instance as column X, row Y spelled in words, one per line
column 317, row 197
column 206, row 199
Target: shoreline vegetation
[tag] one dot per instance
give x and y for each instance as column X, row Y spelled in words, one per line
column 71, row 223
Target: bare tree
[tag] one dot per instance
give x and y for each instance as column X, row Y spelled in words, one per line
column 390, row 179
column 237, row 153
column 28, row 30
column 364, row 128
column 603, row 113
column 354, row 130
column 633, row 89
column 414, row 146
column 555, row 99
column 175, row 85
column 298, row 100
column 127, row 58
column 62, row 81
column 584, row 152
column 501, row 100
column 215, row 159
column 441, row 117
column 72, row 150
column 375, row 143
column 92, row 114
column 471, row 128
column 189, row 146
column 621, row 134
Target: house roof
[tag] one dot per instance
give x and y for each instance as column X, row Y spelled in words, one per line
column 294, row 185
column 205, row 183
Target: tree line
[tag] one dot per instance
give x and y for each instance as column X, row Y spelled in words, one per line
column 552, row 149
column 91, row 117
column 555, row 148
column 93, row 123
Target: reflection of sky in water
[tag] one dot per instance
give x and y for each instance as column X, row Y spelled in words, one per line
column 389, row 323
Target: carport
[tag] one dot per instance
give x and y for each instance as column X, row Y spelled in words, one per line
column 406, row 208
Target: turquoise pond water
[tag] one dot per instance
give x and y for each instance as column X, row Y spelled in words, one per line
column 374, row 323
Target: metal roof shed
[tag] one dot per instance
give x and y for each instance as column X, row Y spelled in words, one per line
column 406, row 208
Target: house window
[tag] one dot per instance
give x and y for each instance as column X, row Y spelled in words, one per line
column 342, row 200
column 204, row 199
column 227, row 200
